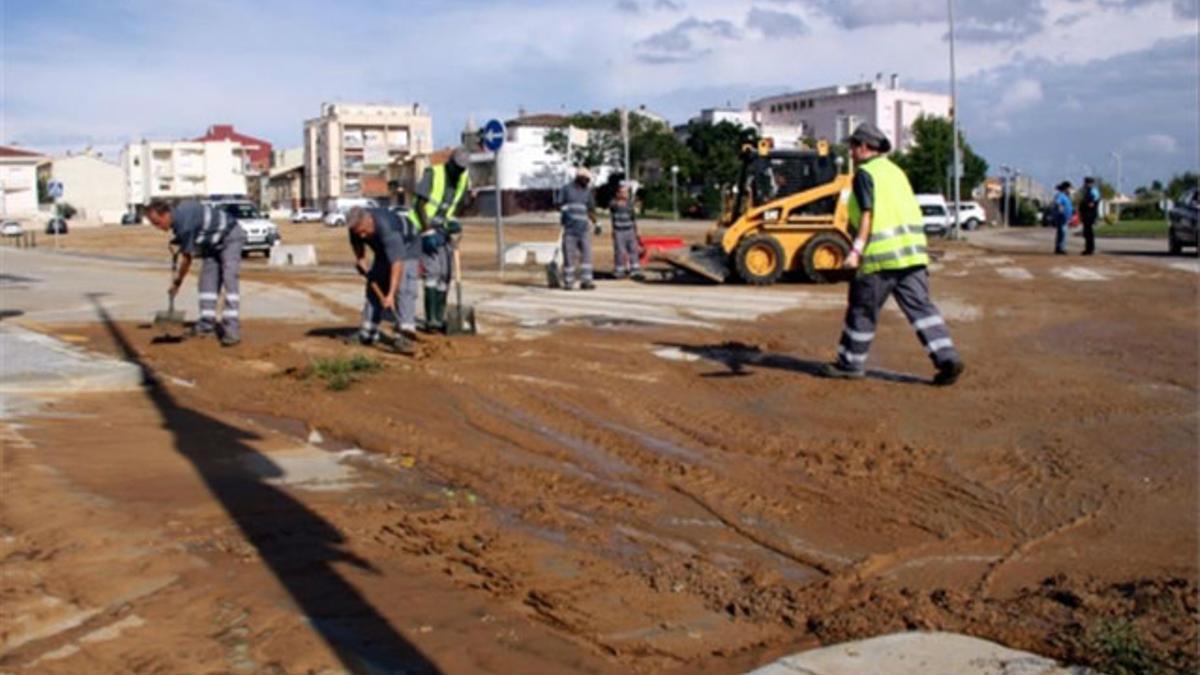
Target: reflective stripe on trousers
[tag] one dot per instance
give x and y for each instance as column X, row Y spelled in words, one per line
column 625, row 252
column 910, row 288
column 577, row 251
column 219, row 272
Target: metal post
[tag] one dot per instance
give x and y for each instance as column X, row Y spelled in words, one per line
column 625, row 141
column 1004, row 195
column 675, row 190
column 499, row 195
column 954, row 119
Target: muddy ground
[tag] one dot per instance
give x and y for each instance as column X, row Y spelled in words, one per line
column 599, row 498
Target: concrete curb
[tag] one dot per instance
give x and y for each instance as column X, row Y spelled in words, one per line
column 32, row 363
column 918, row 654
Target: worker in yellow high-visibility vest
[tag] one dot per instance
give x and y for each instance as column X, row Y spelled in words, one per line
column 438, row 197
column 890, row 256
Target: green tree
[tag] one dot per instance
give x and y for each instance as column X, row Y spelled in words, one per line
column 1181, row 183
column 928, row 162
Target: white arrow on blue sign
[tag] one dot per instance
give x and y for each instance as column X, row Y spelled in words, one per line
column 55, row 189
column 492, row 135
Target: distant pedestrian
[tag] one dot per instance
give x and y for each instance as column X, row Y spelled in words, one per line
column 1064, row 210
column 438, row 196
column 890, row 256
column 210, row 233
column 391, row 276
column 626, row 250
column 1089, row 211
column 578, row 219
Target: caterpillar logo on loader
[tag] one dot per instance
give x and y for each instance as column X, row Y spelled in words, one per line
column 788, row 213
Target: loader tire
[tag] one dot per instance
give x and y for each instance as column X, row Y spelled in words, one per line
column 760, row 260
column 822, row 258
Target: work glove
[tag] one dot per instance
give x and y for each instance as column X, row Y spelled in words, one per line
column 430, row 243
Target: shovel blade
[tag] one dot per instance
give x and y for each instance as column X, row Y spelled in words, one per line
column 169, row 319
column 460, row 320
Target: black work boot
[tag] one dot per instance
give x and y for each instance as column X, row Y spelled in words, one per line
column 948, row 373
column 836, row 371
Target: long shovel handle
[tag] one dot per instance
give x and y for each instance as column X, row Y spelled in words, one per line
column 378, row 291
column 458, row 278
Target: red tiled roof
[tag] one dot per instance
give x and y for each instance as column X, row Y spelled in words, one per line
column 6, row 151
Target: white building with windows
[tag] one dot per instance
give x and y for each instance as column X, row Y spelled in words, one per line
column 350, row 148
column 175, row 170
column 18, row 182
column 832, row 113
column 95, row 187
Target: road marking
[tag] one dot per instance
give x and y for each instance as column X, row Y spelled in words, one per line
column 1016, row 273
column 1080, row 274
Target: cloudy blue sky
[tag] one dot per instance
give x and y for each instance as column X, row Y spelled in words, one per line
column 1051, row 86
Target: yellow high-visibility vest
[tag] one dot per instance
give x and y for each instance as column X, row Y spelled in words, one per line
column 897, row 227
column 437, row 204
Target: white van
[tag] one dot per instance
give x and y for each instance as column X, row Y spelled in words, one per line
column 936, row 214
column 970, row 215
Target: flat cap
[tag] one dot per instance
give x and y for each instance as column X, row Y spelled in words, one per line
column 869, row 135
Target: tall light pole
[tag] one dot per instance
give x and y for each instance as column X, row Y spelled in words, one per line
column 1005, row 172
column 954, row 119
column 1117, row 156
column 675, row 190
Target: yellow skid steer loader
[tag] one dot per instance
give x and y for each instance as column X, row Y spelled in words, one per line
column 788, row 213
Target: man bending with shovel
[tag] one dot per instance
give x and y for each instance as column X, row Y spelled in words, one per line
column 210, row 233
column 391, row 276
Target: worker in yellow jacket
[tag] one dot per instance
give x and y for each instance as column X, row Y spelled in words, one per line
column 890, row 256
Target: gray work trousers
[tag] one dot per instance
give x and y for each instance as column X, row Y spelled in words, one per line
column 626, row 257
column 219, row 271
column 437, row 268
column 577, row 254
column 405, row 316
column 869, row 292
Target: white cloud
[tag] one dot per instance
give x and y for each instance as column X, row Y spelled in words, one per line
column 1020, row 95
column 1153, row 144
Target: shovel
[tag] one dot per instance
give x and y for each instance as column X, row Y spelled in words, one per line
column 171, row 320
column 459, row 320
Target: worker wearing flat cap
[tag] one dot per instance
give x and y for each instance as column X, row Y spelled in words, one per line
column 438, row 197
column 578, row 220
column 890, row 258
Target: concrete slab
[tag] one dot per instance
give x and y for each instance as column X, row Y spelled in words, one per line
column 32, row 363
column 918, row 654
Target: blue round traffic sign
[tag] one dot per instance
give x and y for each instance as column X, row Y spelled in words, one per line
column 492, row 135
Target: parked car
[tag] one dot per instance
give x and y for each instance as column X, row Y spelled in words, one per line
column 936, row 215
column 970, row 215
column 56, row 226
column 11, row 228
column 1183, row 218
column 261, row 234
column 306, row 216
column 335, row 219
column 130, row 218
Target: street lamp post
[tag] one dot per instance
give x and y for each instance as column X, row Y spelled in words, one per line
column 675, row 190
column 1005, row 172
column 954, row 119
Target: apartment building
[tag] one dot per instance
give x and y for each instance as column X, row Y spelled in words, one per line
column 176, row 170
column 834, row 112
column 91, row 184
column 18, row 182
column 350, row 149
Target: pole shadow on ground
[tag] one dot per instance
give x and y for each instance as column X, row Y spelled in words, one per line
column 736, row 357
column 297, row 545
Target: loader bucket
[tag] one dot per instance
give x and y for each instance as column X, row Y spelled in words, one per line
column 710, row 262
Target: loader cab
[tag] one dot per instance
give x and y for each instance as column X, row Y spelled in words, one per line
column 783, row 173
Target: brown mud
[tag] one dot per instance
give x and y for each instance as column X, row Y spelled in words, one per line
column 717, row 511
